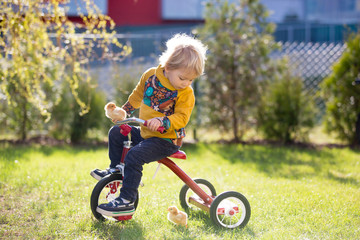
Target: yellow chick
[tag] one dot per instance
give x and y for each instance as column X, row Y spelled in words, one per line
column 176, row 216
column 114, row 113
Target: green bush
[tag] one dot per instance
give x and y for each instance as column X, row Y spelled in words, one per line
column 285, row 112
column 239, row 37
column 95, row 118
column 39, row 51
column 19, row 118
column 342, row 96
column 68, row 124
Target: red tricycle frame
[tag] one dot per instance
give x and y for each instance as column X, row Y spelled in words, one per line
column 229, row 209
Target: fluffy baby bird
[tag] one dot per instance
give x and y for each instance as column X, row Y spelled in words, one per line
column 176, row 216
column 114, row 113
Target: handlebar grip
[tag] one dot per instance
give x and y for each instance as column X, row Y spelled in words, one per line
column 160, row 129
column 125, row 129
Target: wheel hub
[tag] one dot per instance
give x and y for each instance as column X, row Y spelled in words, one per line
column 230, row 212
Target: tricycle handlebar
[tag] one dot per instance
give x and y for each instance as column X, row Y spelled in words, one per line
column 138, row 120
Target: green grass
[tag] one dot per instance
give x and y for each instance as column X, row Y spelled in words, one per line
column 294, row 193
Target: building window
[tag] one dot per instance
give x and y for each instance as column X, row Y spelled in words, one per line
column 183, row 10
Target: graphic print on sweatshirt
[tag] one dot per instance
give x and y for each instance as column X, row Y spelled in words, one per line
column 159, row 97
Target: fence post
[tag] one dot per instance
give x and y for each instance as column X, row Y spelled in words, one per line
column 290, row 34
column 307, row 32
column 332, row 33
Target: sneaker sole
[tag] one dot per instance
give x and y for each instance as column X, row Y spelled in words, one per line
column 115, row 214
column 97, row 177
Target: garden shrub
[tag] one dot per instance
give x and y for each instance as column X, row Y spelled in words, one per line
column 68, row 124
column 285, row 112
column 342, row 96
column 239, row 37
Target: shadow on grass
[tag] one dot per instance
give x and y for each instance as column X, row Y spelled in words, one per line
column 118, row 230
column 11, row 153
column 210, row 227
column 274, row 161
column 342, row 177
column 287, row 162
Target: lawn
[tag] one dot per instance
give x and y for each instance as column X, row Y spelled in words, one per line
column 294, row 193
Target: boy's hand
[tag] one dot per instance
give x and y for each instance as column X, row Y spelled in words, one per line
column 153, row 124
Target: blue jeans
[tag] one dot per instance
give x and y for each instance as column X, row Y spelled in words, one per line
column 143, row 151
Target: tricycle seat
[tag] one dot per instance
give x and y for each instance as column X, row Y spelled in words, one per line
column 179, row 155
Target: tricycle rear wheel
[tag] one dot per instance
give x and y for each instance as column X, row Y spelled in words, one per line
column 186, row 192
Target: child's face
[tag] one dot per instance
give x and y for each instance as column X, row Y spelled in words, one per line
column 180, row 78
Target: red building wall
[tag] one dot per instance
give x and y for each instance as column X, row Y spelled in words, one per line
column 135, row 12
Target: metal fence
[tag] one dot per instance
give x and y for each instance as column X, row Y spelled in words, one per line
column 311, row 61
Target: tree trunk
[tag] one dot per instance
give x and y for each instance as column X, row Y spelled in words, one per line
column 234, row 101
column 235, row 125
column 357, row 125
column 356, row 142
column 23, row 122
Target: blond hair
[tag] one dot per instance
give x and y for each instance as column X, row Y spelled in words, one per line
column 185, row 52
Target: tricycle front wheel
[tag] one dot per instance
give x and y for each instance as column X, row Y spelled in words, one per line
column 106, row 190
column 230, row 210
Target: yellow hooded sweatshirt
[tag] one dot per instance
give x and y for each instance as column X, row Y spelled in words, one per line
column 157, row 98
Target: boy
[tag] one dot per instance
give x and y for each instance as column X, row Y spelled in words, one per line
column 165, row 98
